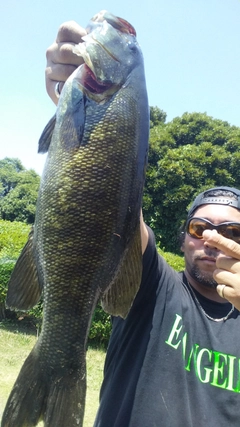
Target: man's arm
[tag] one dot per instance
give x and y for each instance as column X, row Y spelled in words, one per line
column 144, row 233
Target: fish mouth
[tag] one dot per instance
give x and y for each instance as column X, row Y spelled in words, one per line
column 87, row 76
column 100, row 72
column 89, row 82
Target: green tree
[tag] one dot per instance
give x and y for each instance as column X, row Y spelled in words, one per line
column 157, row 116
column 9, row 168
column 18, row 191
column 186, row 156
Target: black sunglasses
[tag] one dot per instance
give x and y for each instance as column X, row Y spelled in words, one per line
column 196, row 226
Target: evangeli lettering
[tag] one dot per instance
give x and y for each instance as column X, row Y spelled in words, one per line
column 217, row 369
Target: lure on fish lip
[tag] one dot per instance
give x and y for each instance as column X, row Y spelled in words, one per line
column 86, row 240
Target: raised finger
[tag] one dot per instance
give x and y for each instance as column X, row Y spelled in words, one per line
column 229, row 247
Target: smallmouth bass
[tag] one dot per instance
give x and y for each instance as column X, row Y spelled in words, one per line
column 85, row 244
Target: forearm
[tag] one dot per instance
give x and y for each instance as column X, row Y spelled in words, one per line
column 144, row 233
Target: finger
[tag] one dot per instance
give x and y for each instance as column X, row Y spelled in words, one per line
column 57, row 73
column 51, row 86
column 70, row 31
column 226, row 263
column 221, row 290
column 223, row 277
column 230, row 293
column 227, row 293
column 229, row 247
column 62, row 53
column 61, row 62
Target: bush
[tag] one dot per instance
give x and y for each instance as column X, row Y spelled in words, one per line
column 13, row 236
column 175, row 261
column 35, row 314
column 100, row 328
column 6, row 269
column 5, row 273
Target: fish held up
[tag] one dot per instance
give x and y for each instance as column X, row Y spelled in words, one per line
column 85, row 244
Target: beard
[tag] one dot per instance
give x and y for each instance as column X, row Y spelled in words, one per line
column 203, row 278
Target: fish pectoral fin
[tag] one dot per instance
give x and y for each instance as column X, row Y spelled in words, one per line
column 46, row 137
column 73, row 125
column 24, row 289
column 119, row 297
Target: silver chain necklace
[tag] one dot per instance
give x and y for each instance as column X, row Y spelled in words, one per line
column 221, row 319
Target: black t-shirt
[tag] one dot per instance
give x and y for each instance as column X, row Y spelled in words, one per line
column 167, row 363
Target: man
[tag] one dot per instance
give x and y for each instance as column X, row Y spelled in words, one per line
column 175, row 360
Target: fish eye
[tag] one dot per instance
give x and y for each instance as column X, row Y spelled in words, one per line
column 133, row 47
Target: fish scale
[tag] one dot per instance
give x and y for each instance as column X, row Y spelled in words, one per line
column 85, row 244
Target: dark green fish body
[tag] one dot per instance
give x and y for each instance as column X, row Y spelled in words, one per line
column 86, row 239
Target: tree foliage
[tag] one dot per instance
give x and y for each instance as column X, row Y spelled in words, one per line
column 157, row 116
column 187, row 155
column 18, row 191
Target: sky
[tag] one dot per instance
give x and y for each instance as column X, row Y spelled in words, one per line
column 191, row 51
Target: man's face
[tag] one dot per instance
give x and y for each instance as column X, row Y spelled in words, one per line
column 200, row 257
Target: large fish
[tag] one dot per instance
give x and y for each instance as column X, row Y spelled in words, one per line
column 86, row 239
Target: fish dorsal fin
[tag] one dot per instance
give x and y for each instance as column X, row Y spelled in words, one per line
column 24, row 289
column 118, row 299
column 46, row 137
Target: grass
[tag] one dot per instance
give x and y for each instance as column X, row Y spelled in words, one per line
column 15, row 345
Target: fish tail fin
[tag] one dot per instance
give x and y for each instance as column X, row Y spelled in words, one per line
column 66, row 401
column 27, row 400
column 56, row 398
